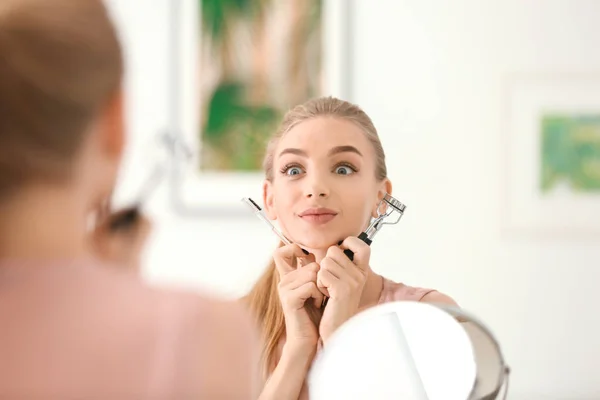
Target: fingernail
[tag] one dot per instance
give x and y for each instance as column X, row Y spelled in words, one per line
column 340, row 242
column 305, row 252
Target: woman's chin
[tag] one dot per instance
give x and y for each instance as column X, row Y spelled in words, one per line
column 318, row 240
column 317, row 244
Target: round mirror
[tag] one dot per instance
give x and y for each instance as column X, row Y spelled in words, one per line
column 408, row 350
column 492, row 371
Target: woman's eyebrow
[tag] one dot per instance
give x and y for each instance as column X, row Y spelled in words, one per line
column 333, row 151
column 344, row 149
column 297, row 152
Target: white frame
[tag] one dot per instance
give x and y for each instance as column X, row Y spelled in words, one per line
column 525, row 210
column 211, row 194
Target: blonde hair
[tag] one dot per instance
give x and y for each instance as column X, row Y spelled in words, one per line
column 60, row 62
column 263, row 299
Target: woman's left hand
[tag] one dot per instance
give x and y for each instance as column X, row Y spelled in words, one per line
column 344, row 281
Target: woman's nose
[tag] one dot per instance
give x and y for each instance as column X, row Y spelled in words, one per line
column 322, row 194
column 316, row 188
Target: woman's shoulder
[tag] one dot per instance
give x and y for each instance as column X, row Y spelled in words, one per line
column 398, row 291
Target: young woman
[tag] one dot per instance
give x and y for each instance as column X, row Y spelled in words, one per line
column 71, row 326
column 325, row 176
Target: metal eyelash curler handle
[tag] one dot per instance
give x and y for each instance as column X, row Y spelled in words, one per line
column 390, row 205
column 258, row 211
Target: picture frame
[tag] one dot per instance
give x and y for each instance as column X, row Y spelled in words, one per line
column 552, row 154
column 210, row 194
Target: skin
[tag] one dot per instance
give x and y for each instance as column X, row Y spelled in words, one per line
column 320, row 163
column 47, row 222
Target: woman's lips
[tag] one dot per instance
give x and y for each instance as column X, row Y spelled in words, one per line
column 318, row 215
column 321, row 218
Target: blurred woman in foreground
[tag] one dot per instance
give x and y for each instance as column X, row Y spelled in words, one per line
column 71, row 327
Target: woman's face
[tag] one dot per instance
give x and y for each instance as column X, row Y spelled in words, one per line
column 324, row 186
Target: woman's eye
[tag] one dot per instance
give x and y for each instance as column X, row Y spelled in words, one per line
column 294, row 171
column 344, row 170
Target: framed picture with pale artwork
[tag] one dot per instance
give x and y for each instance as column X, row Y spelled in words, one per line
column 235, row 68
column 553, row 154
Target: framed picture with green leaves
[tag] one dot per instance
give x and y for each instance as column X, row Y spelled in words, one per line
column 236, row 67
column 552, row 163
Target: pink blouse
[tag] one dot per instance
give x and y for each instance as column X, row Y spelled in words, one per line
column 393, row 291
column 88, row 331
column 396, row 291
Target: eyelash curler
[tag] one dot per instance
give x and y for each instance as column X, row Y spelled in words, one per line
column 386, row 207
column 125, row 218
column 261, row 215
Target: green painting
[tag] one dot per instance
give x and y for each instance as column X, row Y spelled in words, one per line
column 257, row 59
column 570, row 150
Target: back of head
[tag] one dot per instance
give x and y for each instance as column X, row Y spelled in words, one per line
column 60, row 61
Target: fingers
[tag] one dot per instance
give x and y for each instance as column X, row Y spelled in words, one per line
column 306, row 259
column 333, row 267
column 285, row 258
column 307, row 291
column 299, row 277
column 104, row 209
column 121, row 237
column 128, row 223
column 361, row 250
column 97, row 214
column 337, row 254
column 326, row 279
column 330, row 272
column 340, row 276
column 139, row 236
column 298, row 286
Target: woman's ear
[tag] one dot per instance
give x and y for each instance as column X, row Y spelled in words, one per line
column 384, row 187
column 268, row 200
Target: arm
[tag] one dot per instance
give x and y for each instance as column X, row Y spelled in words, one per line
column 289, row 375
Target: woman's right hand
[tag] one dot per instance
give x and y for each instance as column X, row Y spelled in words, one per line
column 297, row 284
column 118, row 238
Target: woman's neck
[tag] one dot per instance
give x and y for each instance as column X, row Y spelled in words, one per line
column 43, row 223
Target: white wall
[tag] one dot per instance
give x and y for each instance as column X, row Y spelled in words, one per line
column 431, row 75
